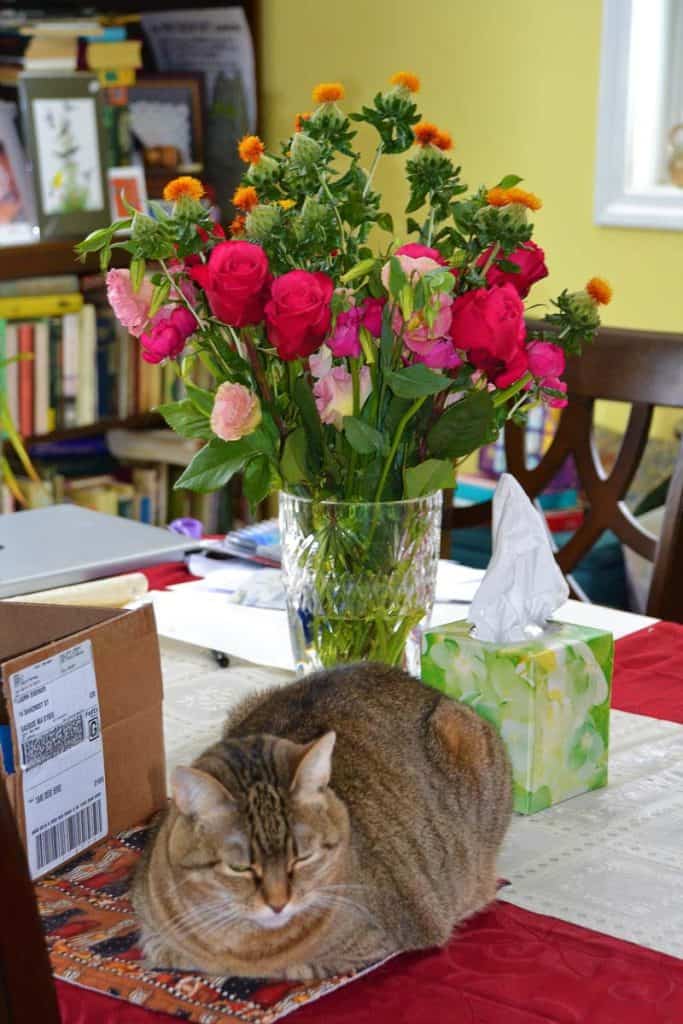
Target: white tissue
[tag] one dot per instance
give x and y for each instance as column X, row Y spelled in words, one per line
column 523, row 585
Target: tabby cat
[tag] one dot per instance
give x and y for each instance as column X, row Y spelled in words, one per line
column 342, row 818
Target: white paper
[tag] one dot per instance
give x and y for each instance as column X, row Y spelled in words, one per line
column 523, row 585
column 57, row 720
column 215, row 41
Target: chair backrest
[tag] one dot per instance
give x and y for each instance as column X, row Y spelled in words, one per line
column 27, row 992
column 644, row 368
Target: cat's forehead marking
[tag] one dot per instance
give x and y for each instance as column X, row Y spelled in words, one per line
column 267, row 818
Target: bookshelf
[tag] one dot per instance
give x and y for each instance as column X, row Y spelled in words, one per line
column 40, row 259
column 141, row 421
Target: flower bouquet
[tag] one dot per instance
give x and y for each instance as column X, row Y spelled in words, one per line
column 351, row 372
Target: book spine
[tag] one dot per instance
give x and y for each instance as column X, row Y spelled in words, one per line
column 12, row 371
column 55, row 418
column 26, row 379
column 3, row 368
column 41, row 378
column 86, row 397
column 70, row 351
column 122, row 350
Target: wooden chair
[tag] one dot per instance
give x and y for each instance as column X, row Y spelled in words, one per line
column 27, row 992
column 644, row 368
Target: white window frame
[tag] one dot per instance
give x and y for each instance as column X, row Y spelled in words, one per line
column 626, row 194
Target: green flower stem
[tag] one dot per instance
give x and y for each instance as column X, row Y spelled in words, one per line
column 180, row 293
column 495, row 249
column 501, row 397
column 355, row 383
column 340, row 223
column 403, row 422
column 430, row 221
column 260, row 377
column 373, row 168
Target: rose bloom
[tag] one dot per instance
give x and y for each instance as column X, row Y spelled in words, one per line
column 488, row 324
column 415, row 250
column 298, row 312
column 438, row 355
column 345, row 340
column 334, row 394
column 417, row 334
column 371, row 310
column 413, row 267
column 236, row 281
column 236, row 412
column 530, row 259
column 130, row 308
column 170, row 329
column 545, row 359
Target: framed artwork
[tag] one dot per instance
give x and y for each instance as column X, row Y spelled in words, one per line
column 128, row 183
column 17, row 210
column 64, row 127
column 166, row 112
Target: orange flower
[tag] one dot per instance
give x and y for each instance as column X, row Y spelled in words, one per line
column 237, row 225
column 245, row 198
column 328, row 92
column 286, row 204
column 407, row 79
column 251, row 149
column 426, row 133
column 183, row 186
column 443, row 141
column 299, row 121
column 599, row 290
column 507, row 196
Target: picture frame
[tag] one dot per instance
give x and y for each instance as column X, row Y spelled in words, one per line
column 17, row 207
column 167, row 111
column 64, row 127
column 131, row 182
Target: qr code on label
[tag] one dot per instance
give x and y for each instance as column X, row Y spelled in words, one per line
column 38, row 749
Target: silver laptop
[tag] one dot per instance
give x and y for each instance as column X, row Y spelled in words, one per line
column 63, row 544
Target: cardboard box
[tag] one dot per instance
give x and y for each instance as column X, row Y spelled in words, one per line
column 81, row 724
column 549, row 699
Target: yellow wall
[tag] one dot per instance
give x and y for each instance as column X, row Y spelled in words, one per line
column 516, row 84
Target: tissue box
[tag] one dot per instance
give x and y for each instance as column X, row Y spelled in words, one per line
column 549, row 699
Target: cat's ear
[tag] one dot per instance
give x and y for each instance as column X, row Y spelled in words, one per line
column 315, row 767
column 196, row 792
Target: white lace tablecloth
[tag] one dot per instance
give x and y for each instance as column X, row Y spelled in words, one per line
column 611, row 860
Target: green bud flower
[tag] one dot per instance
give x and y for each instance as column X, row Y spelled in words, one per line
column 264, row 171
column 584, row 307
column 262, row 222
column 304, row 151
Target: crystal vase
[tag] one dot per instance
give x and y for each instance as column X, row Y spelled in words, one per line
column 359, row 577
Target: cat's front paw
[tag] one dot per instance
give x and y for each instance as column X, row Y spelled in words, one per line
column 302, row 972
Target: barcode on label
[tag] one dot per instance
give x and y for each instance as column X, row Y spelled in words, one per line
column 56, row 842
column 41, row 748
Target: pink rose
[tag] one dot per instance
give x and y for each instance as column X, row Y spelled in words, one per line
column 530, row 259
column 320, row 363
column 371, row 310
column 545, row 359
column 440, row 355
column 236, row 412
column 417, row 333
column 552, row 400
column 416, row 250
column 170, row 329
column 298, row 312
column 130, row 308
column 334, row 394
column 236, row 281
column 488, row 324
column 344, row 340
column 412, row 267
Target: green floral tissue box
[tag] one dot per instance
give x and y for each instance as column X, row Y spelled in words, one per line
column 549, row 698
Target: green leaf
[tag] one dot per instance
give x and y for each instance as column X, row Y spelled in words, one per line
column 412, row 226
column 137, row 273
column 397, row 278
column 509, row 181
column 186, row 420
column 201, row 399
column 293, row 464
column 386, row 222
column 94, row 241
column 256, row 482
column 361, row 436
column 464, row 427
column 430, row 476
column 305, row 402
column 159, row 296
column 105, row 258
column 214, row 465
column 416, row 381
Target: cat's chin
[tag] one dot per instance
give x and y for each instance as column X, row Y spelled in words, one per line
column 267, row 918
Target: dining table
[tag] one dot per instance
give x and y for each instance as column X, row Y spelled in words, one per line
column 588, row 922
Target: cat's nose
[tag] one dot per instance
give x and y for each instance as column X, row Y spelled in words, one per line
column 277, row 908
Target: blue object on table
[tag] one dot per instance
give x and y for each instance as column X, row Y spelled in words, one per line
column 188, row 527
column 6, row 748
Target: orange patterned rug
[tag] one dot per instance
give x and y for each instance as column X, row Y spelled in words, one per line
column 92, row 935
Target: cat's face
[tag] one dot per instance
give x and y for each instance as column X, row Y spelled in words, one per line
column 270, row 846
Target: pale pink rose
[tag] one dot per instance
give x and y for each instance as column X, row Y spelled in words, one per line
column 236, row 412
column 417, row 334
column 413, row 267
column 130, row 308
column 334, row 394
column 320, row 362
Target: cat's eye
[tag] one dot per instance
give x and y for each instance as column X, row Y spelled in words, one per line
column 239, row 869
column 303, row 857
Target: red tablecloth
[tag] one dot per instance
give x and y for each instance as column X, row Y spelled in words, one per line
column 508, row 965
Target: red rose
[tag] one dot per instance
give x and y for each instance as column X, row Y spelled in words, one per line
column 415, row 250
column 489, row 325
column 530, row 259
column 298, row 312
column 236, row 281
